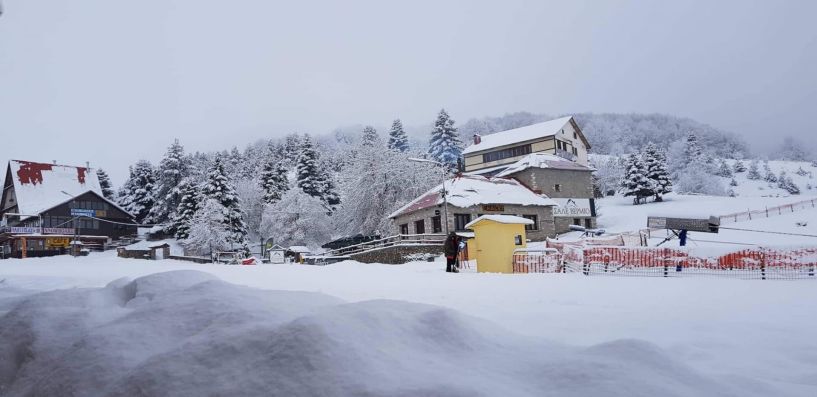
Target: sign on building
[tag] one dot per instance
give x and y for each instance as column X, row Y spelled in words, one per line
column 708, row 225
column 493, row 207
column 83, row 212
column 573, row 207
column 57, row 242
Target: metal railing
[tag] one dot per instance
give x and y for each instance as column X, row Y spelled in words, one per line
column 399, row 239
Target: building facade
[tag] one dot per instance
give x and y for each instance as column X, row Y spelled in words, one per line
column 46, row 205
column 561, row 137
column 469, row 197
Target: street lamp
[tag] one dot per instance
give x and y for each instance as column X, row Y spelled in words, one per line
column 443, row 167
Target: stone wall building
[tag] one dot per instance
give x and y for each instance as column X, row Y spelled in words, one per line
column 471, row 196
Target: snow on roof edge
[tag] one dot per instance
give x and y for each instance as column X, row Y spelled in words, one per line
column 506, row 219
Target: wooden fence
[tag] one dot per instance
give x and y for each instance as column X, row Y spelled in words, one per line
column 768, row 211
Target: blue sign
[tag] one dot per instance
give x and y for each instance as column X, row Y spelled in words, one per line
column 83, row 212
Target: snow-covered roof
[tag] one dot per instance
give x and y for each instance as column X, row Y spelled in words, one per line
column 521, row 134
column 40, row 186
column 507, row 219
column 144, row 245
column 470, row 190
column 301, row 249
column 542, row 160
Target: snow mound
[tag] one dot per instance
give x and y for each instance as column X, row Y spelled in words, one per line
column 186, row 333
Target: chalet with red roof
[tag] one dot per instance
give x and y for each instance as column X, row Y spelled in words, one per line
column 46, row 207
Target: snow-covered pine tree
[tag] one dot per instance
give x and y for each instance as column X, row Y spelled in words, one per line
column 733, row 182
column 692, row 149
column 739, row 167
column 137, row 194
column 398, row 140
column 274, row 180
column 656, row 171
column 188, row 205
column 208, row 233
column 800, row 171
column 769, row 175
column 445, row 145
column 306, row 170
column 754, row 171
column 105, row 184
column 723, row 169
column 330, row 194
column 293, row 145
column 635, row 183
column 173, row 168
column 370, row 137
column 219, row 188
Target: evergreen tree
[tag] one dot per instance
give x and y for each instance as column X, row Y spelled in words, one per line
column 218, row 188
column 656, row 171
column 105, row 184
column 692, row 149
column 137, row 194
column 398, row 140
column 733, row 182
column 370, row 137
column 274, row 180
column 308, row 177
column 769, row 175
column 800, row 171
column 724, row 170
column 173, row 168
column 635, row 183
column 445, row 145
column 739, row 167
column 330, row 194
column 754, row 172
column 188, row 205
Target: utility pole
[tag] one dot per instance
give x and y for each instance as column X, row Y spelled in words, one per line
column 444, row 193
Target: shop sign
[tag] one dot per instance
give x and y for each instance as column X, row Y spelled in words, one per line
column 572, row 207
column 83, row 212
column 24, row 230
column 493, row 207
column 58, row 230
column 57, row 242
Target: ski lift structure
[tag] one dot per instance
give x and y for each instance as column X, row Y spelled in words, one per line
column 680, row 226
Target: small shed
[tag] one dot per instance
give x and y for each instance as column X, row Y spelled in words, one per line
column 298, row 252
column 495, row 239
column 276, row 254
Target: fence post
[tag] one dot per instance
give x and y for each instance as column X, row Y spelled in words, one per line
column 762, row 265
column 749, row 211
column 666, row 266
column 767, row 211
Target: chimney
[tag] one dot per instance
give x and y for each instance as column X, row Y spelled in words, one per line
column 477, row 139
column 54, row 161
column 87, row 165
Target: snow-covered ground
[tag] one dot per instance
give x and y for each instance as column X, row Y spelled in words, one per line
column 619, row 215
column 366, row 329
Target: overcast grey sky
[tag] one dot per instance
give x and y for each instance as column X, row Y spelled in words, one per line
column 115, row 81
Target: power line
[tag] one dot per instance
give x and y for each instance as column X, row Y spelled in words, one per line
column 769, row 232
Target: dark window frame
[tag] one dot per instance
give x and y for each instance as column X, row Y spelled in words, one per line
column 437, row 224
column 503, row 154
column 420, row 226
column 460, row 220
column 404, row 228
column 535, row 219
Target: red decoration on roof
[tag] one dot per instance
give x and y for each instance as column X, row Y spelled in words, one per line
column 32, row 173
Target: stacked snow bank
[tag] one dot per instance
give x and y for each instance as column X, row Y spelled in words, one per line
column 186, row 333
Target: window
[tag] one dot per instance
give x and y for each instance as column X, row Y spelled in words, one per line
column 577, row 221
column 588, row 223
column 575, row 135
column 557, row 187
column 436, row 224
column 535, row 220
column 404, row 228
column 460, row 220
column 575, row 152
column 420, row 227
column 506, row 153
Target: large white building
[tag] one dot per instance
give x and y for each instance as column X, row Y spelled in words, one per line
column 561, row 137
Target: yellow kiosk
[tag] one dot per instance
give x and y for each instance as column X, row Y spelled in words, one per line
column 495, row 239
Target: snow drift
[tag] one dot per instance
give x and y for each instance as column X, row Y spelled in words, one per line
column 187, row 333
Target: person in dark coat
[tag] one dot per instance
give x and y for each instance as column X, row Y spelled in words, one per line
column 450, row 250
